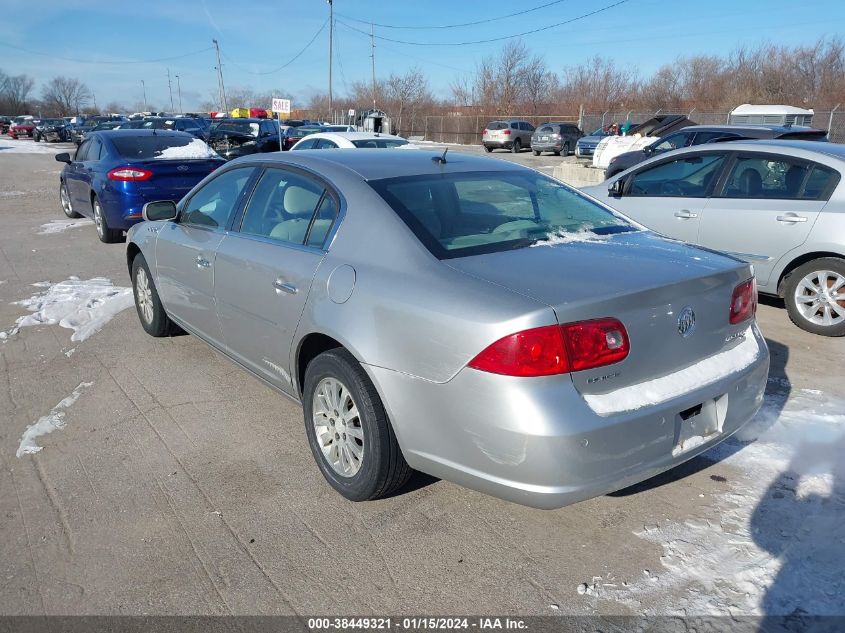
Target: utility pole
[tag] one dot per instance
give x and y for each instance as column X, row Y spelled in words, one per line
column 179, row 89
column 170, row 88
column 331, row 30
column 144, row 88
column 220, row 78
column 373, row 58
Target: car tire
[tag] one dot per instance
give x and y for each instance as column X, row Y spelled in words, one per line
column 516, row 148
column 150, row 311
column 488, row 149
column 565, row 149
column 381, row 468
column 535, row 152
column 67, row 205
column 809, row 311
column 106, row 235
column 36, row 137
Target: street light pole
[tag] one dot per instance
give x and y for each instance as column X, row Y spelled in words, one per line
column 144, row 88
column 179, row 90
column 331, row 29
column 170, row 88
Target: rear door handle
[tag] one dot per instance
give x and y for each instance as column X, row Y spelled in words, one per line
column 281, row 286
column 202, row 262
column 791, row 218
column 686, row 214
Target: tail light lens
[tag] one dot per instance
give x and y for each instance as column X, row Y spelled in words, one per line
column 506, row 132
column 130, row 173
column 556, row 349
column 485, row 132
column 744, row 301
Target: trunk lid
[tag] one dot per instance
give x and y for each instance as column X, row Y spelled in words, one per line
column 172, row 179
column 641, row 279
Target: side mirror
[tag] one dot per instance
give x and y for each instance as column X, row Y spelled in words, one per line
column 161, row 210
column 64, row 157
column 616, row 187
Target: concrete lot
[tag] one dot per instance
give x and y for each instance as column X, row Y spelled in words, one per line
column 181, row 485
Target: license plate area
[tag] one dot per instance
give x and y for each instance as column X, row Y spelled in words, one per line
column 699, row 424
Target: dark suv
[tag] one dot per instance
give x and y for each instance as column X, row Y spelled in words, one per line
column 700, row 134
column 558, row 138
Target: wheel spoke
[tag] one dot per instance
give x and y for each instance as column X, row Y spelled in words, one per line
column 355, row 450
column 808, row 285
column 350, row 414
column 354, row 431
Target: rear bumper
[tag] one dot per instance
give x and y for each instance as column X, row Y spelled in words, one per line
column 547, row 147
column 536, row 442
column 498, row 144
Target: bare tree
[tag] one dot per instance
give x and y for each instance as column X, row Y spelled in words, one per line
column 15, row 92
column 66, row 96
column 462, row 91
column 539, row 84
column 406, row 95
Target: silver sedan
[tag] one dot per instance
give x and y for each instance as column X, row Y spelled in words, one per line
column 462, row 316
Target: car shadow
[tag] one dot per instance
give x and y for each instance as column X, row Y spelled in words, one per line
column 778, row 389
column 418, row 481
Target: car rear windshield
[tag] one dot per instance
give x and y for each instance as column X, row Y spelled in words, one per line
column 300, row 132
column 498, row 125
column 380, row 143
column 237, row 127
column 151, row 147
column 547, row 129
column 457, row 215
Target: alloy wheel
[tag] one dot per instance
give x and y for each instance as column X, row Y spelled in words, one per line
column 65, row 200
column 337, row 426
column 820, row 298
column 98, row 219
column 144, row 295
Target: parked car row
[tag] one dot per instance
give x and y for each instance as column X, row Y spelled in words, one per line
column 515, row 135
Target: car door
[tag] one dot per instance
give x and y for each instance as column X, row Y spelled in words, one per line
column 765, row 207
column 74, row 176
column 186, row 249
column 669, row 196
column 265, row 267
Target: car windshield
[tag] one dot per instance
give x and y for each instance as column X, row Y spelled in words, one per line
column 160, row 146
column 457, row 215
column 380, row 143
column 237, row 127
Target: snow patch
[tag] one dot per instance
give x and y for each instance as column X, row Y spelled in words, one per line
column 676, row 384
column 29, row 147
column 773, row 544
column 570, row 237
column 195, row 149
column 84, row 306
column 12, row 194
column 48, row 423
column 60, row 226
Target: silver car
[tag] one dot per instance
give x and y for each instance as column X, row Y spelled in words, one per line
column 512, row 135
column 466, row 317
column 779, row 205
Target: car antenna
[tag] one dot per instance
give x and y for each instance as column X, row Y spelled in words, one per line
column 440, row 159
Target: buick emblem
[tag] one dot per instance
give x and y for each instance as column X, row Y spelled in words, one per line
column 183, row 168
column 686, row 322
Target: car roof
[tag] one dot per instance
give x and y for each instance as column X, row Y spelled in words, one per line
column 787, row 147
column 375, row 164
column 142, row 132
column 749, row 128
column 354, row 136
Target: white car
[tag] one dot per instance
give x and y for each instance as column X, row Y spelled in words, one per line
column 352, row 140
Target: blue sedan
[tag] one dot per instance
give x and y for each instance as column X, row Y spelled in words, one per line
column 114, row 173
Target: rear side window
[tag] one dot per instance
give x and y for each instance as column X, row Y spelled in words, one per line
column 151, row 147
column 307, row 144
column 778, row 178
column 514, row 126
column 464, row 214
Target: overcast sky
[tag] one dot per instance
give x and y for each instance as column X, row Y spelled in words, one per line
column 75, row 37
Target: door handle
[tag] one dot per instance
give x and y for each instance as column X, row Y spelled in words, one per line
column 202, row 262
column 685, row 214
column 791, row 218
column 281, row 287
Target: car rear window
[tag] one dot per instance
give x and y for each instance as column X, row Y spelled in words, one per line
column 237, row 127
column 498, row 125
column 379, row 143
column 456, row 215
column 152, row 147
column 546, row 129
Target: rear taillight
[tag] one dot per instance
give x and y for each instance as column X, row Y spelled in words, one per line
column 484, row 132
column 506, row 132
column 130, row 173
column 556, row 349
column 744, row 301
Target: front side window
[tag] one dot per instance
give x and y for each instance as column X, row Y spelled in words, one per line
column 213, row 205
column 777, row 178
column 689, row 176
column 673, row 141
column 463, row 214
column 283, row 208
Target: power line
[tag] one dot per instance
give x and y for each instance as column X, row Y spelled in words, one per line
column 88, row 61
column 286, row 64
column 492, row 39
column 453, row 26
